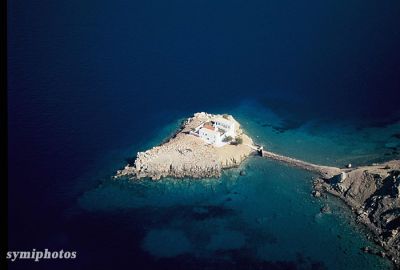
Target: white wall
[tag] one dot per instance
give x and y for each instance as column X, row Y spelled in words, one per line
column 228, row 126
column 209, row 136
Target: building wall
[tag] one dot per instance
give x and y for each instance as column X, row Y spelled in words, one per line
column 228, row 126
column 216, row 138
column 209, row 136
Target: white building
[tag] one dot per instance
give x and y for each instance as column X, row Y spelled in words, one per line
column 210, row 136
column 215, row 131
column 226, row 125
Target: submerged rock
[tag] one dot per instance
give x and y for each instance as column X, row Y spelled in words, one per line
column 316, row 193
column 366, row 249
column 326, row 209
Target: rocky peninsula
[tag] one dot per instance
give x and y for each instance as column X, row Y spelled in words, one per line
column 373, row 194
column 188, row 153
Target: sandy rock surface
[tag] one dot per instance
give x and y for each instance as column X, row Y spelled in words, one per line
column 185, row 155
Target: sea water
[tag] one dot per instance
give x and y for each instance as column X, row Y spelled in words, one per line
column 91, row 83
column 266, row 218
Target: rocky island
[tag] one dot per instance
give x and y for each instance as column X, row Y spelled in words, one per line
column 204, row 145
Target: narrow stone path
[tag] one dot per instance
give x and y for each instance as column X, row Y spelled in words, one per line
column 324, row 171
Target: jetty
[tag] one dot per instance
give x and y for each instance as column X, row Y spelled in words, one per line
column 323, row 171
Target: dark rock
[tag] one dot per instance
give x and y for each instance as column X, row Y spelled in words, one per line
column 326, row 209
column 242, row 173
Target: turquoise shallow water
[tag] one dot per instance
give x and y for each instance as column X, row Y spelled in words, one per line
column 266, row 218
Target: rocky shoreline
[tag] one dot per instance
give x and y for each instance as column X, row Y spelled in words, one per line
column 185, row 155
column 373, row 194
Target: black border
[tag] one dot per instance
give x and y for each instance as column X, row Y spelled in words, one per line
column 4, row 121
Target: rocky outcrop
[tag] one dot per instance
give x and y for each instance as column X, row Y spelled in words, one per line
column 185, row 155
column 373, row 194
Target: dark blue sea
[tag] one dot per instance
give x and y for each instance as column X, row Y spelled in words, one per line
column 91, row 83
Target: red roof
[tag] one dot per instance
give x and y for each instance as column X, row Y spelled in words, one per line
column 208, row 126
